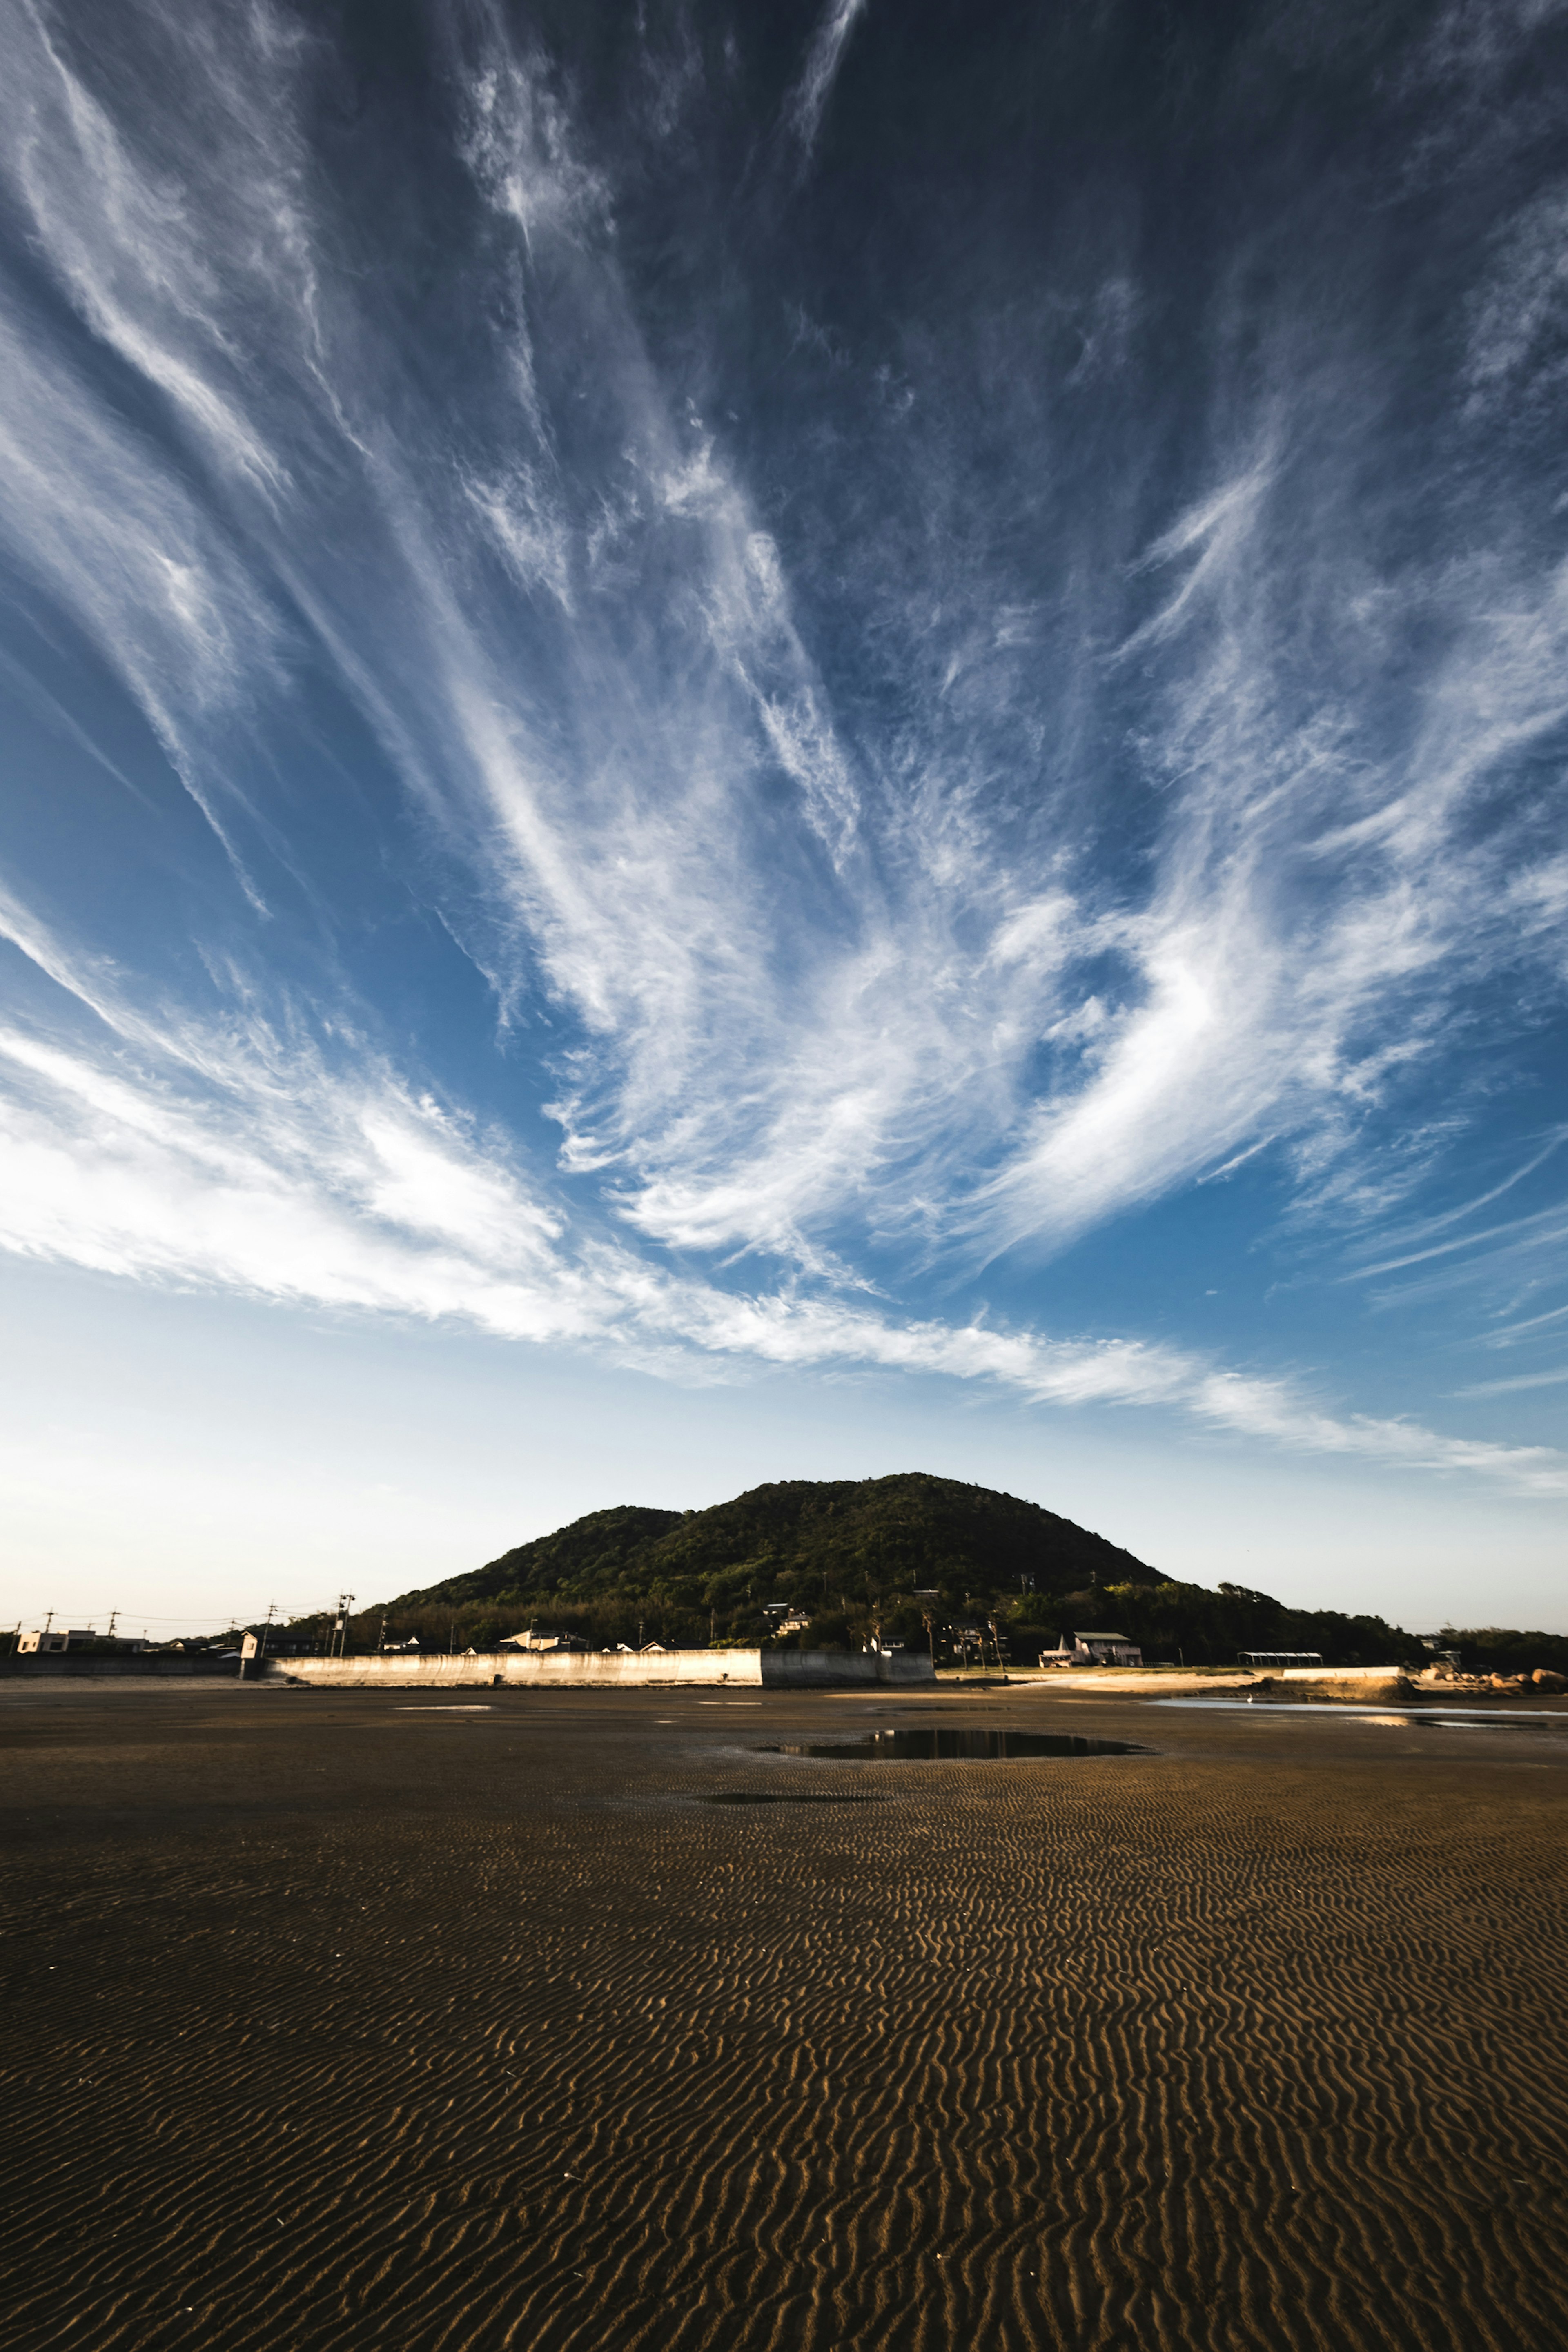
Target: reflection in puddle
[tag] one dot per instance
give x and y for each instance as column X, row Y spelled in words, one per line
column 937, row 1746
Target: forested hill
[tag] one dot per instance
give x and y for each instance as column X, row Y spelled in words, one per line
column 594, row 1555
column 845, row 1542
column 851, row 1554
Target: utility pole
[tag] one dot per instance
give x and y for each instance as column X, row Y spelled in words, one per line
column 271, row 1612
column 112, row 1615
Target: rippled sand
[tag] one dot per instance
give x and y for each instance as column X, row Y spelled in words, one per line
column 346, row 2020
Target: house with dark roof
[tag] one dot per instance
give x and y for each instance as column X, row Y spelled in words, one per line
column 1093, row 1648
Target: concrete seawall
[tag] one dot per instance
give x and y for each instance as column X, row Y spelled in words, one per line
column 132, row 1669
column 1307, row 1681
column 593, row 1670
column 802, row 1669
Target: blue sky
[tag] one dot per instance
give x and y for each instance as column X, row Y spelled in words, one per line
column 782, row 742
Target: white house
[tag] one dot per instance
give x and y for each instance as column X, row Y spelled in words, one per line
column 1106, row 1650
column 1101, row 1649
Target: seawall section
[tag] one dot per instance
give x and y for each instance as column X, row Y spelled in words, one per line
column 817, row 1669
column 1176, row 1682
column 131, row 1669
column 595, row 1670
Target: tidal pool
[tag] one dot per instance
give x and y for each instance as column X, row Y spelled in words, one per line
column 937, row 1746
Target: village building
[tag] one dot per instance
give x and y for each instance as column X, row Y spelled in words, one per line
column 1093, row 1648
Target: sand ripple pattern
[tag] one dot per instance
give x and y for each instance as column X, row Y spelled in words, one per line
column 455, row 2035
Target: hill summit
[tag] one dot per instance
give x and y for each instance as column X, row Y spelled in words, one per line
column 861, row 1541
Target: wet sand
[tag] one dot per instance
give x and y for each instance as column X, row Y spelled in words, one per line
column 351, row 2019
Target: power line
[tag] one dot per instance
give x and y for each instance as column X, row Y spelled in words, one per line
column 185, row 1616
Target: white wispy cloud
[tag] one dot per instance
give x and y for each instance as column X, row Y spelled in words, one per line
column 1544, row 1225
column 813, row 984
column 1294, row 955
column 801, row 1014
column 151, row 286
column 1521, row 1381
column 806, row 102
column 273, row 1165
column 102, row 528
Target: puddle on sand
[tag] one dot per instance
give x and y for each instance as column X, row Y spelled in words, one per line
column 941, row 1747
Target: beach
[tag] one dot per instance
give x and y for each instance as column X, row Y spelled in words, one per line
column 379, row 2018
